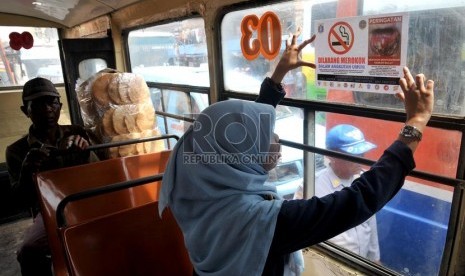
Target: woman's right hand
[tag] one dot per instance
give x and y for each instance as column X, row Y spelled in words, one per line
column 418, row 99
column 290, row 58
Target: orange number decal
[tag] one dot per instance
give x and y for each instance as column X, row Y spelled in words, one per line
column 249, row 23
column 268, row 41
column 269, row 34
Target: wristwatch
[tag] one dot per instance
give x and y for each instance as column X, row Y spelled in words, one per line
column 411, row 132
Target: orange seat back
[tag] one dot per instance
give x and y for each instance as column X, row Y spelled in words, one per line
column 130, row 242
column 55, row 185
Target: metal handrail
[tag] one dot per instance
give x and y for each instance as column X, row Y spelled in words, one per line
column 117, row 144
column 60, row 215
column 415, row 173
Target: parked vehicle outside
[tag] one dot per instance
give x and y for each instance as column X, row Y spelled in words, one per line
column 151, row 48
column 288, row 174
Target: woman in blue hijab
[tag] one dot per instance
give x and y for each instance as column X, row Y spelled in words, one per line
column 234, row 224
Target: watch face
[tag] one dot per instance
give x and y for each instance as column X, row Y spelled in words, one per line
column 408, row 130
column 411, row 132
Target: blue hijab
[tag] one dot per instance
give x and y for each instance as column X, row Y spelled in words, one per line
column 214, row 186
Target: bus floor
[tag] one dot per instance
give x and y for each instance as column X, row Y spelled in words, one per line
column 11, row 236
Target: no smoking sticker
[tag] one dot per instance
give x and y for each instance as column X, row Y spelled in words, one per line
column 341, row 38
column 358, row 52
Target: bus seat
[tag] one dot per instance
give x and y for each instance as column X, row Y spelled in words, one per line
column 55, row 185
column 130, row 242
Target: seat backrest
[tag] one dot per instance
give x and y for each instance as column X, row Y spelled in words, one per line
column 55, row 185
column 130, row 242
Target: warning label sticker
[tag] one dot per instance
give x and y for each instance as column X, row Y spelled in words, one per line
column 364, row 53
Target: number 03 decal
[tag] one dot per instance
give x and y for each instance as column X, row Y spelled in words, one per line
column 268, row 41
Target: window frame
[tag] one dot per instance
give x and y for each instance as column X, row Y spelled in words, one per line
column 183, row 88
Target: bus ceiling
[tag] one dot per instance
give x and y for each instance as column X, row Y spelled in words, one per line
column 57, row 13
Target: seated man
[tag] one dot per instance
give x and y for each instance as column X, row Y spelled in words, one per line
column 34, row 153
column 362, row 239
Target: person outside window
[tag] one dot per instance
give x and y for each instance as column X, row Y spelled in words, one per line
column 35, row 153
column 363, row 238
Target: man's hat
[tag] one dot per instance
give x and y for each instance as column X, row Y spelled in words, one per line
column 38, row 87
column 347, row 138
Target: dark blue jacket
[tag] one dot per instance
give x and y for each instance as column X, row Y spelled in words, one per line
column 302, row 223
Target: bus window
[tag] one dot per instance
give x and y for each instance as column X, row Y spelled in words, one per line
column 176, row 103
column 89, row 67
column 288, row 174
column 17, row 67
column 418, row 217
column 420, row 204
column 159, row 45
column 171, row 53
column 198, row 102
column 436, row 47
column 241, row 74
column 41, row 60
column 429, row 36
column 169, row 57
column 438, row 156
column 412, row 228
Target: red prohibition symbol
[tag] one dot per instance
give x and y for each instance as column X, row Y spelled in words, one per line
column 341, row 38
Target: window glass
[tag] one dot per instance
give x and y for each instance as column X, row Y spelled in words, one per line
column 88, row 67
column 289, row 123
column 171, row 53
column 438, row 152
column 412, row 228
column 418, row 215
column 416, row 219
column 22, row 62
column 407, row 235
column 245, row 75
column 435, row 47
column 177, row 103
column 18, row 65
column 288, row 174
column 199, row 102
column 156, row 96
